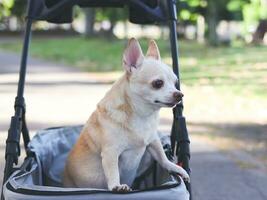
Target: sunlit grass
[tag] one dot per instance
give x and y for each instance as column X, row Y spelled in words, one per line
column 242, row 69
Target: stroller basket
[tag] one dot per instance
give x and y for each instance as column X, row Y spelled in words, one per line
column 41, row 173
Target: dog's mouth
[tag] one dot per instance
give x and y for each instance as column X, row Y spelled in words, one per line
column 168, row 104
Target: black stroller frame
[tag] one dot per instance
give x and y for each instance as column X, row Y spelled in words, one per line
column 140, row 12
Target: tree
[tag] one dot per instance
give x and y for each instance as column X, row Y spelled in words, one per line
column 12, row 8
column 89, row 21
column 212, row 22
column 18, row 10
column 254, row 13
column 113, row 15
column 213, row 12
column 260, row 32
column 5, row 12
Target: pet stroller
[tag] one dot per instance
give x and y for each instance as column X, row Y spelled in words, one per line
column 39, row 177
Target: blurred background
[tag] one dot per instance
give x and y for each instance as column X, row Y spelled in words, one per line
column 223, row 65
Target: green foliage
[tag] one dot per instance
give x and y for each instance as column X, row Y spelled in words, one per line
column 251, row 10
column 236, row 5
column 111, row 14
column 10, row 8
column 5, row 8
column 225, row 9
column 254, row 11
column 188, row 10
column 19, row 9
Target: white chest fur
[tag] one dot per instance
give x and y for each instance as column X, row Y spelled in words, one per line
column 143, row 131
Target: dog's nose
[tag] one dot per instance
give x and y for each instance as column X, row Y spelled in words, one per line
column 178, row 95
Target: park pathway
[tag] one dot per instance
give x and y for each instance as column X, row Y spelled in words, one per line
column 57, row 95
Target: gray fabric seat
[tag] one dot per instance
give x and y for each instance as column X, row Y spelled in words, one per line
column 40, row 175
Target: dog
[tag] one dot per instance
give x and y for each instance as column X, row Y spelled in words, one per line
column 124, row 124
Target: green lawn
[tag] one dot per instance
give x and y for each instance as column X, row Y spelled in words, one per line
column 242, row 68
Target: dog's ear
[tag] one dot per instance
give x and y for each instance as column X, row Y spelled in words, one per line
column 153, row 50
column 133, row 55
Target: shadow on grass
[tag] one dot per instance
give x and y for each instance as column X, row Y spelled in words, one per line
column 253, row 131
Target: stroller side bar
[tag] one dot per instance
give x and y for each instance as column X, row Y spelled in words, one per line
column 24, row 57
column 18, row 122
column 179, row 135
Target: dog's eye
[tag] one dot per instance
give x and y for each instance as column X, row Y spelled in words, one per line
column 157, row 84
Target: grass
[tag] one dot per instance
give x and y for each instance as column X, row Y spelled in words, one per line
column 235, row 67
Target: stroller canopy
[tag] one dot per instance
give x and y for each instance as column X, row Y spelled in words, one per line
column 61, row 11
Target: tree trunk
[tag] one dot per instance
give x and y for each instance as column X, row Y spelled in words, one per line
column 7, row 23
column 212, row 20
column 126, row 29
column 260, row 32
column 200, row 29
column 89, row 22
column 109, row 32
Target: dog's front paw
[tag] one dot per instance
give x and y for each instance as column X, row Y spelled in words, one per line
column 185, row 176
column 122, row 188
column 182, row 173
column 178, row 170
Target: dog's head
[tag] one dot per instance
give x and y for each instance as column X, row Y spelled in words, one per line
column 150, row 78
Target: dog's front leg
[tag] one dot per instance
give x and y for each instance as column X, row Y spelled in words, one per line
column 157, row 152
column 110, row 163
